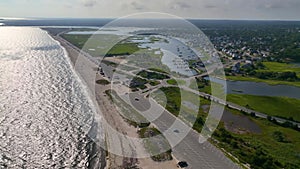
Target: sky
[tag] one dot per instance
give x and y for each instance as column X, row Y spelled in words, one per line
column 202, row 9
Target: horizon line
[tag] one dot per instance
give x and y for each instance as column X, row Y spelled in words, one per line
column 113, row 18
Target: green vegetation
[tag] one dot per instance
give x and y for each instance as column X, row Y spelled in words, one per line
column 280, row 39
column 276, row 147
column 122, row 49
column 270, row 72
column 273, row 73
column 153, row 144
column 174, row 99
column 138, row 83
column 102, row 82
column 278, row 71
column 130, row 114
column 154, row 83
column 280, row 137
column 109, row 63
column 254, row 79
column 126, row 67
column 281, row 76
column 149, row 132
column 83, row 29
column 152, row 75
column 158, row 70
column 172, row 82
column 286, row 124
column 274, row 106
column 100, row 44
column 77, row 40
column 149, row 59
column 158, row 39
column 205, row 86
column 176, row 82
column 280, row 67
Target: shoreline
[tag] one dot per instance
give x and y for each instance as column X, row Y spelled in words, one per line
column 113, row 118
column 96, row 154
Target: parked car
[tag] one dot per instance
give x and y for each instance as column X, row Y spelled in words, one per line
column 182, row 164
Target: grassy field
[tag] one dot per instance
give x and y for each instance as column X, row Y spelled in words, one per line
column 280, row 67
column 275, row 67
column 274, row 106
column 84, row 29
column 206, row 87
column 96, row 45
column 176, row 82
column 275, row 147
column 152, row 75
column 123, row 49
column 254, row 79
column 190, row 112
column 148, row 59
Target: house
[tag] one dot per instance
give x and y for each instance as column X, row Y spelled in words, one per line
column 249, row 62
column 247, row 66
column 236, row 68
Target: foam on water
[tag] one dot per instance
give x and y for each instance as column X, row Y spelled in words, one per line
column 45, row 112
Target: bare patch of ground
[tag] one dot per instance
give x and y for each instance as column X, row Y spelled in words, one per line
column 239, row 124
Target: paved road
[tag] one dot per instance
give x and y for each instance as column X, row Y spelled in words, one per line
column 231, row 105
column 237, row 107
column 198, row 155
column 185, row 141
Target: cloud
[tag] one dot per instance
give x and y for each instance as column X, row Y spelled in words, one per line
column 273, row 6
column 231, row 9
column 279, row 4
column 137, row 6
column 69, row 6
column 180, row 5
column 89, row 3
column 210, row 6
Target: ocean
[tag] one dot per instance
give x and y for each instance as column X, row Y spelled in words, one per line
column 45, row 111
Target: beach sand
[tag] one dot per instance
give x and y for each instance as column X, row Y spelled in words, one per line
column 114, row 119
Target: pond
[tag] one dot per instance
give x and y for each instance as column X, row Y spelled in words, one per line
column 175, row 54
column 259, row 88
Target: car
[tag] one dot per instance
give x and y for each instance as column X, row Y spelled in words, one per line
column 176, row 131
column 136, row 99
column 182, row 164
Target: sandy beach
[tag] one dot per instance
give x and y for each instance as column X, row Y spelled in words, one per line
column 115, row 120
